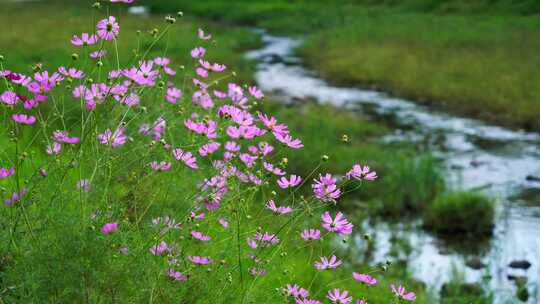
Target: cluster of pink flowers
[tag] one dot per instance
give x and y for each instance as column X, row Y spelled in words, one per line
column 220, row 134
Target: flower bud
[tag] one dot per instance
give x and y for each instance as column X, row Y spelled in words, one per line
column 1, row 58
column 96, row 5
column 325, row 158
column 367, row 237
column 74, row 56
column 170, row 19
column 38, row 67
column 161, row 84
column 99, row 64
column 180, row 14
column 345, row 138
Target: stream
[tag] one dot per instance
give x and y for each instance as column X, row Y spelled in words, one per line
column 474, row 155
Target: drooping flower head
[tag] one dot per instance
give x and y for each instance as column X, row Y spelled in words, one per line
column 199, row 260
column 364, row 278
column 24, row 119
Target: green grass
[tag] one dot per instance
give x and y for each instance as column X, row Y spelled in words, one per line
column 468, row 214
column 481, row 66
column 476, row 58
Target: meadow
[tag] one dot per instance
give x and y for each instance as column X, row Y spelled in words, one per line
column 124, row 182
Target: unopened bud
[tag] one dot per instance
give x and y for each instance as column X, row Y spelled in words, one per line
column 180, row 14
column 99, row 63
column 37, row 67
column 345, row 138
column 161, row 84
column 96, row 5
column 367, row 237
column 325, row 158
column 1, row 58
column 74, row 56
column 170, row 19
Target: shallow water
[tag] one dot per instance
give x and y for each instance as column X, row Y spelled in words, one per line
column 475, row 155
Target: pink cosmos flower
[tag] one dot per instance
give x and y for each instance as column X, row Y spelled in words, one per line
column 160, row 249
column 71, row 72
column 339, row 224
column 325, row 188
column 310, row 234
column 307, row 301
column 209, row 148
column 295, row 291
column 257, row 272
column 364, row 278
column 98, row 54
column 201, row 72
column 85, row 39
column 219, row 94
column 275, row 170
column 115, row 139
column 4, row 172
column 84, row 185
column 224, row 223
column 326, row 263
column 200, row 236
column 400, row 292
column 202, row 36
column 293, row 181
column 361, row 302
column 63, row 137
column 54, row 148
column 282, row 209
column 176, row 275
column 9, row 98
column 361, row 173
column 338, row 297
column 255, row 92
column 24, row 119
column 173, row 94
column 199, row 260
column 15, row 197
column 109, row 228
column 108, row 29
column 218, row 68
column 186, row 157
column 198, row 52
column 260, row 239
column 160, row 166
column 289, row 141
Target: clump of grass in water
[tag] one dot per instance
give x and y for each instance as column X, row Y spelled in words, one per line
column 461, row 213
column 409, row 186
